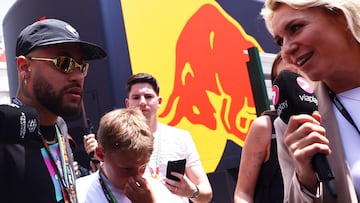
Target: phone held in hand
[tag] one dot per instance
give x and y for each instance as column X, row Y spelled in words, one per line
column 175, row 166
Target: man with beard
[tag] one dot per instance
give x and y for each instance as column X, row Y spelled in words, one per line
column 51, row 66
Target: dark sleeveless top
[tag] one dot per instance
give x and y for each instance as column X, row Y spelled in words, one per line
column 269, row 186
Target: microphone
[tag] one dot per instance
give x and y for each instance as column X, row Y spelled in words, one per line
column 18, row 123
column 293, row 95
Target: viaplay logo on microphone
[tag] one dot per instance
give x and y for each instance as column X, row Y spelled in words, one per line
column 303, row 84
column 275, row 99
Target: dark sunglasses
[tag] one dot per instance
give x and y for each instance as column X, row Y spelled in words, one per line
column 65, row 64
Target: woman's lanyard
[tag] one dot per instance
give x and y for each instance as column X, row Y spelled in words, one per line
column 108, row 194
column 66, row 179
column 342, row 110
column 155, row 172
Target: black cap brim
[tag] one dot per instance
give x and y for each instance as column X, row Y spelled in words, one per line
column 89, row 50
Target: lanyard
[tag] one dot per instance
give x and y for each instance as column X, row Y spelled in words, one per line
column 108, row 194
column 66, row 179
column 342, row 110
column 155, row 173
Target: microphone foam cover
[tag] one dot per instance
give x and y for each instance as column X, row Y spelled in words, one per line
column 18, row 123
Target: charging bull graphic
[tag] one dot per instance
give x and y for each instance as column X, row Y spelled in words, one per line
column 197, row 51
column 210, row 58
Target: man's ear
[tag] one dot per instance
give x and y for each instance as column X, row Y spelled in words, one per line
column 127, row 102
column 23, row 67
column 100, row 152
column 22, row 63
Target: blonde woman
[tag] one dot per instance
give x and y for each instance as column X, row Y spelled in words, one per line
column 322, row 38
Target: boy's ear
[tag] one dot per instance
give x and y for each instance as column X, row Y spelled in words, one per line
column 100, row 152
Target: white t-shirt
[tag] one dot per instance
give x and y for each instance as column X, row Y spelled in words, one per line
column 350, row 137
column 89, row 190
column 171, row 144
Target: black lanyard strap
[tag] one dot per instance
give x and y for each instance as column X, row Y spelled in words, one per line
column 342, row 109
column 107, row 192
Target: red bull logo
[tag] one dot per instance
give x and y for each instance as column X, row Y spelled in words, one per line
column 198, row 53
column 210, row 58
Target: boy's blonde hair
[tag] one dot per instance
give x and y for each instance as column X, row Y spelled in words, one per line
column 125, row 130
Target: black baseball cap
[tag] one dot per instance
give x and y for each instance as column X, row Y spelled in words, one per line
column 51, row 32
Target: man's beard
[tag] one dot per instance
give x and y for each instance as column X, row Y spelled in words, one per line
column 52, row 101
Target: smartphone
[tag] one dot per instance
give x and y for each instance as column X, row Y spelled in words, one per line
column 176, row 166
